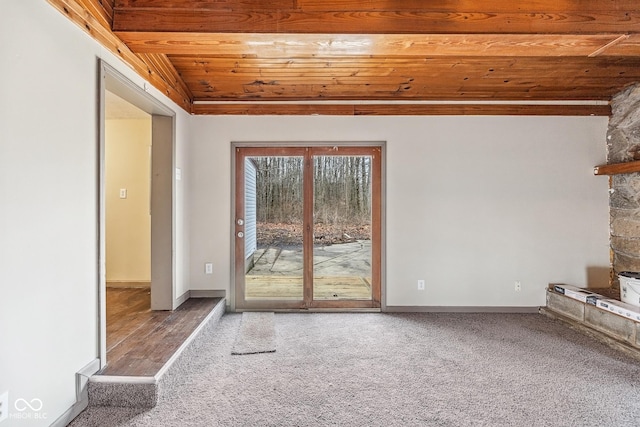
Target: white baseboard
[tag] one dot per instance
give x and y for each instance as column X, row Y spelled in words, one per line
column 214, row 293
column 456, row 309
column 198, row 294
column 128, row 284
column 82, row 395
column 181, row 299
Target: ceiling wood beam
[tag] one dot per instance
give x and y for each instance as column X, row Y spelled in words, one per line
column 165, row 68
column 502, row 6
column 452, row 6
column 102, row 11
column 96, row 28
column 388, row 93
column 327, row 45
column 108, row 6
column 164, row 19
column 481, row 66
column 397, row 52
column 402, row 109
column 211, row 4
column 404, row 78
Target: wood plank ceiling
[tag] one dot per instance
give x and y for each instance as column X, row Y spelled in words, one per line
column 381, row 56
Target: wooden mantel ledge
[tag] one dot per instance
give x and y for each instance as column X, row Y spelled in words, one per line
column 617, row 168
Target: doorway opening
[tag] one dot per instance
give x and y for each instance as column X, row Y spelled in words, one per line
column 308, row 227
column 127, row 166
column 136, row 219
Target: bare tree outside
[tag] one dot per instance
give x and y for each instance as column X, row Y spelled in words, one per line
column 342, row 199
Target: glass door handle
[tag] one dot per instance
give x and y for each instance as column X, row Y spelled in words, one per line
column 240, row 234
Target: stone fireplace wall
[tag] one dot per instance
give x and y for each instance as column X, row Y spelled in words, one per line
column 623, row 145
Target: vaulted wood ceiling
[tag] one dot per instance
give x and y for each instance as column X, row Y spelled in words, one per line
column 376, row 56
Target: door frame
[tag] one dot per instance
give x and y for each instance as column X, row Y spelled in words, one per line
column 162, row 194
column 378, row 301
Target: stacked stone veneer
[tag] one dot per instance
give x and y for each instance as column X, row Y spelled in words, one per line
column 623, row 145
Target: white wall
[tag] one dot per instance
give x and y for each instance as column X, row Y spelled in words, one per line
column 128, row 228
column 182, row 211
column 48, row 204
column 473, row 204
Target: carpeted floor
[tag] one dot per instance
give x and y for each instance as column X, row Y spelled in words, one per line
column 395, row 370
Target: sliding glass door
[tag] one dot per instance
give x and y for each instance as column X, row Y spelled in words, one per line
column 307, row 227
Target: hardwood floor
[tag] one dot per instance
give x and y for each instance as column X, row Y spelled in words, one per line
column 140, row 341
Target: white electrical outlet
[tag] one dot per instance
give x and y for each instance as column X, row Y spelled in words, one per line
column 421, row 285
column 208, row 268
column 123, row 193
column 518, row 286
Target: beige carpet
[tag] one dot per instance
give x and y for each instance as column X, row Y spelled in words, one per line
column 395, row 370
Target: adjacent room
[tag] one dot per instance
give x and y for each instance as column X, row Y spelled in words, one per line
column 311, row 212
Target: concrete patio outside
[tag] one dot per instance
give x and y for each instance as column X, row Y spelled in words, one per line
column 341, row 271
